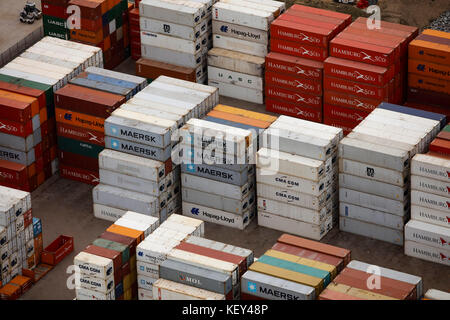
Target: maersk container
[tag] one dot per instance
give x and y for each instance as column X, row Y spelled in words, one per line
column 138, row 149
column 93, row 265
column 194, row 276
column 213, row 155
column 214, row 187
column 218, row 216
column 374, row 154
column 175, row 12
column 244, row 46
column 273, row 288
column 169, row 290
column 132, row 165
column 216, row 173
column 236, row 61
column 24, row 158
column 428, row 234
column 242, row 16
column 238, row 92
column 166, row 55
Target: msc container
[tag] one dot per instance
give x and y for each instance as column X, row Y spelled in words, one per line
column 166, row 55
column 249, row 17
column 391, row 274
column 214, row 187
column 169, row 290
column 237, row 78
column 127, row 200
column 290, row 164
column 427, row 215
column 217, row 216
column 173, row 12
column 173, row 29
column 301, row 228
column 428, row 234
column 371, row 230
column 238, row 92
column 236, row 61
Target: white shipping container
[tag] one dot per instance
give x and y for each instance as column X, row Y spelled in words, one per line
column 371, row 172
column 139, row 81
column 107, row 213
column 381, row 141
column 252, row 18
column 430, row 166
column 236, row 61
column 81, row 48
column 427, row 215
column 173, row 29
column 428, row 234
column 145, row 294
column 198, row 224
column 169, row 56
column 169, row 290
column 79, row 62
column 144, row 227
column 294, row 212
column 371, row 230
column 86, row 294
column 433, row 186
column 132, row 183
column 277, row 4
column 296, row 227
column 433, row 294
column 171, row 43
column 218, row 216
column 374, row 202
column 372, row 216
column 97, row 284
column 374, row 154
column 31, row 77
column 235, row 78
column 180, row 121
column 238, row 92
column 430, row 201
column 176, row 12
column 144, row 106
column 240, row 32
column 214, row 187
column 144, row 282
column 319, row 127
column 154, row 250
column 189, row 94
column 290, row 164
column 391, row 274
column 257, row 6
column 93, row 265
column 139, row 217
column 291, row 197
column 244, row 46
column 425, row 252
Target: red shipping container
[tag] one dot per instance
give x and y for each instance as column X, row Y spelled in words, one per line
column 295, row 66
column 134, row 16
column 344, row 114
column 345, row 126
column 311, row 16
column 77, row 174
column 362, row 52
column 388, row 26
column 440, row 146
column 429, row 98
column 82, row 134
column 31, row 92
column 135, row 35
column 298, row 49
column 53, row 10
column 57, row 250
column 293, row 110
column 15, row 110
column 295, row 97
column 356, row 88
column 357, row 71
column 301, row 33
column 346, row 18
column 78, row 161
column 89, row 10
column 20, row 129
column 29, row 186
column 294, row 83
column 14, row 173
column 28, row 218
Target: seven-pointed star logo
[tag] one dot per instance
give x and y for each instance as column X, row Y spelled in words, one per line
column 251, row 286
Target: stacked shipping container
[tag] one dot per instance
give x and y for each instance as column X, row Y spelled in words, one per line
column 374, row 170
column 367, row 66
column 106, row 269
column 241, row 32
column 297, row 177
column 139, row 172
column 28, row 143
column 293, row 269
column 352, row 283
column 135, row 33
column 153, row 252
column 294, row 68
column 429, row 72
column 17, row 238
column 427, row 235
column 176, row 33
column 433, row 294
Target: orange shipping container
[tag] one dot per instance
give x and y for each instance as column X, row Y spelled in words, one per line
column 430, row 48
column 428, row 83
column 429, row 69
column 135, row 234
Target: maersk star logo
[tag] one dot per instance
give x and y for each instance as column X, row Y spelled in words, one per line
column 114, row 144
column 190, row 168
column 251, row 286
column 113, row 130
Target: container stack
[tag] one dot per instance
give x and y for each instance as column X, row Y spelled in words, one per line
column 299, row 41
column 293, row 269
column 217, row 176
column 28, row 143
column 135, row 33
column 297, row 177
column 352, row 284
column 374, row 170
column 427, row 234
column 138, row 172
column 365, row 67
column 106, row 269
column 241, row 41
column 16, row 237
column 429, row 72
column 154, row 250
column 54, row 17
column 176, row 34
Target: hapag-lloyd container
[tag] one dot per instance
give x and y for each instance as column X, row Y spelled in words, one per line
column 240, row 32
column 169, row 290
column 293, row 83
column 244, row 46
column 236, row 61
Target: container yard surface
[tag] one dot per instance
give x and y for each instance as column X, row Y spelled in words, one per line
column 65, row 207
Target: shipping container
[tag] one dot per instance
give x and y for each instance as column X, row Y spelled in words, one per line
column 239, row 45
column 236, row 61
column 426, row 252
column 427, row 215
column 244, row 16
column 168, row 290
column 238, row 92
column 371, row 230
column 166, row 55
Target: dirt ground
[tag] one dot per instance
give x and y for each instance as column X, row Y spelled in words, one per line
column 417, row 13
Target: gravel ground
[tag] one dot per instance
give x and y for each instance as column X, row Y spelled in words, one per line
column 442, row 23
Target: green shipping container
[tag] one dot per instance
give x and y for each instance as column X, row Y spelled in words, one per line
column 54, row 21
column 57, row 32
column 111, row 245
column 447, row 128
column 79, row 147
